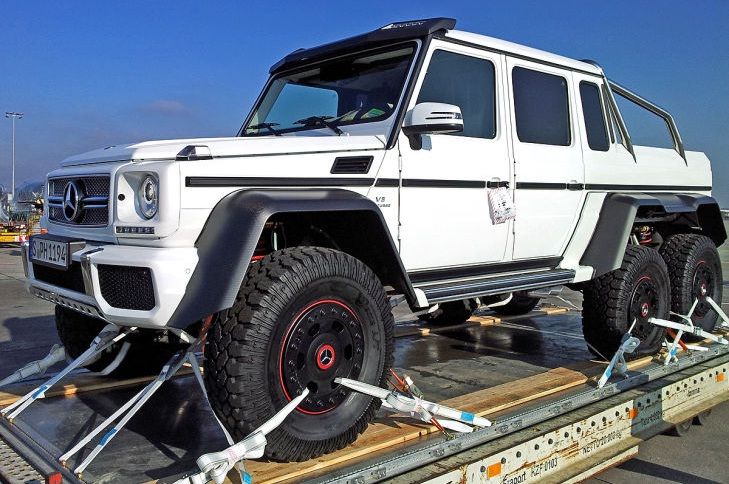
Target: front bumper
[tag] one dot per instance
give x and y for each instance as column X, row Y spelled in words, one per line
column 170, row 270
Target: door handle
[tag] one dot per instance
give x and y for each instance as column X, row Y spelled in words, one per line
column 496, row 183
column 575, row 185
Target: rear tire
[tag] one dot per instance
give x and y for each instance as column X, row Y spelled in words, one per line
column 303, row 316
column 638, row 290
column 145, row 355
column 694, row 267
column 454, row 312
column 519, row 304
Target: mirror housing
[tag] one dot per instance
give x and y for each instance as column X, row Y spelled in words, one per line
column 431, row 118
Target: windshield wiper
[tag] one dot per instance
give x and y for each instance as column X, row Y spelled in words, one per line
column 320, row 121
column 267, row 126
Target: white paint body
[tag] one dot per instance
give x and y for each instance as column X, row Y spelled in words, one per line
column 434, row 228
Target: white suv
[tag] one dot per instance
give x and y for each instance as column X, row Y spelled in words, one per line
column 447, row 167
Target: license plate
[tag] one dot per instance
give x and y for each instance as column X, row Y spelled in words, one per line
column 49, row 252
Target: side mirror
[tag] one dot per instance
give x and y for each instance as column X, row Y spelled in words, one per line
column 431, row 118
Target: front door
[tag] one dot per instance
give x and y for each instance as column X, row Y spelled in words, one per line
column 444, row 195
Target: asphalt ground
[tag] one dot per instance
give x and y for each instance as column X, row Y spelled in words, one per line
column 174, row 429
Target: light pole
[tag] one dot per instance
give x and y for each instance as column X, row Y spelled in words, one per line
column 13, row 116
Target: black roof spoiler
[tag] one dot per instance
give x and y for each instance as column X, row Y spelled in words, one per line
column 395, row 31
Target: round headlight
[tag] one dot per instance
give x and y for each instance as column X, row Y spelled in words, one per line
column 148, row 196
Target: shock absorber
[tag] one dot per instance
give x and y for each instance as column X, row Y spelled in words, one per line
column 643, row 234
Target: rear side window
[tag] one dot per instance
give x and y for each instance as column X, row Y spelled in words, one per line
column 541, row 107
column 467, row 82
column 592, row 111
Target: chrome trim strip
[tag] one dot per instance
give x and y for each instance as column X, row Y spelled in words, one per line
column 85, row 260
column 24, row 249
column 66, row 302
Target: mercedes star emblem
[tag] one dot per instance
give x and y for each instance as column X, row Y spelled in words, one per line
column 71, row 201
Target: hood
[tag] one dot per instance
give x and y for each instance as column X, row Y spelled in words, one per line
column 227, row 147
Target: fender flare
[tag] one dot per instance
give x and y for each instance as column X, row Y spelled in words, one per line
column 617, row 216
column 228, row 240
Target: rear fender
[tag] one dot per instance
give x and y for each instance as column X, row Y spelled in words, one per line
column 618, row 214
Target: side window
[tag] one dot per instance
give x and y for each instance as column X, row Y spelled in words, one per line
column 541, row 107
column 467, row 82
column 594, row 115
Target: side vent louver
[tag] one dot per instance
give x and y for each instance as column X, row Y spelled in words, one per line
column 349, row 165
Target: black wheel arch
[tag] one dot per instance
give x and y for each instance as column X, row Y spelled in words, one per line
column 674, row 212
column 230, row 235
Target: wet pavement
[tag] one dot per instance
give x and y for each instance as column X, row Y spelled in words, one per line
column 176, row 426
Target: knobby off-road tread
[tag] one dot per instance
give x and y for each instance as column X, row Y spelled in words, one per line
column 604, row 306
column 238, row 345
column 454, row 312
column 681, row 251
column 518, row 305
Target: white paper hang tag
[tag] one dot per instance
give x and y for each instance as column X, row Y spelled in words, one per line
column 501, row 206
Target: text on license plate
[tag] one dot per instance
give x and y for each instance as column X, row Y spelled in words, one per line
column 51, row 252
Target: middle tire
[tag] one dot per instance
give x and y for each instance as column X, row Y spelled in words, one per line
column 637, row 291
column 303, row 317
column 454, row 312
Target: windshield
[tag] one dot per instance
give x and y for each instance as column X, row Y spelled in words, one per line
column 361, row 88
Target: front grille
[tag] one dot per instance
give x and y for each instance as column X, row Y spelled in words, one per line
column 71, row 279
column 94, row 199
column 127, row 287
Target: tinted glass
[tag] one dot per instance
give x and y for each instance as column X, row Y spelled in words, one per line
column 597, row 136
column 466, row 82
column 361, row 88
column 541, row 107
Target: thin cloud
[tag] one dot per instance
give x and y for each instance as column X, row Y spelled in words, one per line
column 166, row 107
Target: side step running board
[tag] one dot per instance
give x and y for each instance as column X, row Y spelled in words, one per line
column 445, row 291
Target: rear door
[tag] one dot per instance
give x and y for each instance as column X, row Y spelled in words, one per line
column 548, row 165
column 444, row 195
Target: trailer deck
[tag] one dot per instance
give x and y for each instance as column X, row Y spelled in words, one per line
column 533, row 376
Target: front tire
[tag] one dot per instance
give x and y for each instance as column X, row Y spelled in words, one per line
column 303, row 316
column 637, row 291
column 694, row 267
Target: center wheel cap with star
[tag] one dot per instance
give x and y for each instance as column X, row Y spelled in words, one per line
column 324, row 342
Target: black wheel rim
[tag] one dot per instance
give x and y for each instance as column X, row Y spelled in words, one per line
column 325, row 341
column 643, row 306
column 703, row 285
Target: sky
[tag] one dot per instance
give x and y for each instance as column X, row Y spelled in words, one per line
column 92, row 74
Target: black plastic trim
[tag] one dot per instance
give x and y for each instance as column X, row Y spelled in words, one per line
column 387, row 182
column 420, row 277
column 497, row 285
column 425, row 183
column 348, row 165
column 541, row 186
column 617, row 216
column 230, row 235
column 239, row 181
column 397, row 31
column 646, row 188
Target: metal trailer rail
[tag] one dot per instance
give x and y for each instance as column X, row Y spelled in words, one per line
column 555, row 440
column 484, row 467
